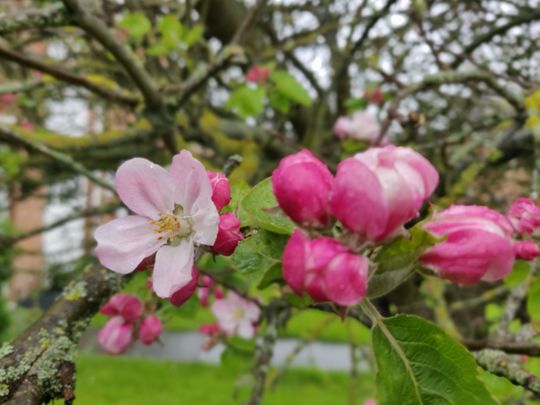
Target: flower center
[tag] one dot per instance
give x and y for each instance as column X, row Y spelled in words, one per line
column 174, row 225
column 238, row 314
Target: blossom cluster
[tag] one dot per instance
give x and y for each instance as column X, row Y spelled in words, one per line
column 127, row 324
column 373, row 194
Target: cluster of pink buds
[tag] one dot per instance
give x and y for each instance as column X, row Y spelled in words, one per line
column 127, row 323
column 258, row 74
column 478, row 241
column 373, row 195
column 229, row 234
column 207, row 289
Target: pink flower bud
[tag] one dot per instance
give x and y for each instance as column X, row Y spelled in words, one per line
column 218, row 293
column 257, row 74
column 209, row 329
column 146, row 263
column 325, row 269
column 7, row 99
column 203, row 293
column 179, row 297
column 374, row 96
column 150, row 329
column 377, row 191
column 229, row 234
column 362, row 126
column 127, row 306
column 526, row 250
column 207, row 281
column 524, row 215
column 302, row 184
column 221, row 189
column 478, row 245
column 116, row 336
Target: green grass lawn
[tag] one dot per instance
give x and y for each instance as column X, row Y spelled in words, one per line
column 129, row 381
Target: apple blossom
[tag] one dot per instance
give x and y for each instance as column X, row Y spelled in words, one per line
column 150, row 329
column 325, row 269
column 257, row 74
column 221, row 189
column 174, row 213
column 377, row 191
column 374, row 96
column 524, row 215
column 180, row 296
column 236, row 315
column 229, row 234
column 116, row 336
column 209, row 329
column 302, row 184
column 127, row 306
column 361, row 126
column 526, row 250
column 478, row 244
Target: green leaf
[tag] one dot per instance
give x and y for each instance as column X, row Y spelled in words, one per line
column 259, row 253
column 518, row 274
column 136, row 24
column 171, row 30
column 289, row 87
column 533, row 301
column 194, row 34
column 274, row 275
column 261, row 206
column 280, row 102
column 397, row 260
column 418, row 363
column 247, row 101
column 239, row 189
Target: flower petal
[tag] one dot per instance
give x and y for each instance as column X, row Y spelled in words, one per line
column 173, row 268
column 191, row 182
column 124, row 242
column 205, row 218
column 146, row 188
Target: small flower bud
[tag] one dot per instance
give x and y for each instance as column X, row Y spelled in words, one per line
column 229, row 234
column 150, row 329
column 221, row 189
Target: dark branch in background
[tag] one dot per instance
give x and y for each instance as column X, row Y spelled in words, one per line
column 68, row 77
column 7, row 241
column 250, row 18
column 6, row 134
column 524, row 18
column 99, row 31
column 16, row 87
column 52, row 16
column 38, row 365
column 529, row 349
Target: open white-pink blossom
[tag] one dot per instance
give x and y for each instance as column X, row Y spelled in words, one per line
column 362, row 125
column 175, row 213
column 236, row 315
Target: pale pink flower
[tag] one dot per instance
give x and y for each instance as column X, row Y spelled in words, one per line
column 302, row 184
column 116, row 336
column 362, row 126
column 524, row 215
column 478, row 244
column 221, row 189
column 127, row 306
column 325, row 269
column 229, row 234
column 150, row 329
column 377, row 191
column 175, row 213
column 236, row 315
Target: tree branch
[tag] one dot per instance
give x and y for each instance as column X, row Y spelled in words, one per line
column 33, row 366
column 68, row 77
column 52, row 16
column 7, row 134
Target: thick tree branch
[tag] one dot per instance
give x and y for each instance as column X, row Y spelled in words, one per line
column 8, row 135
column 68, row 77
column 33, row 366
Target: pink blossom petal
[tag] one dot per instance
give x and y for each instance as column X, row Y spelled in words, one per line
column 173, row 268
column 294, row 257
column 124, row 242
column 246, row 329
column 191, row 182
column 116, row 336
column 205, row 218
column 146, row 188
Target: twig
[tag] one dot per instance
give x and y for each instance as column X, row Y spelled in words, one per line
column 501, row 364
column 6, row 241
column 251, row 16
column 65, row 76
column 7, row 134
column 527, row 348
column 16, row 87
column 53, row 16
